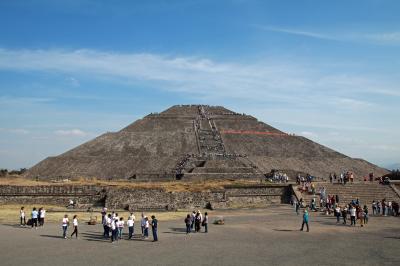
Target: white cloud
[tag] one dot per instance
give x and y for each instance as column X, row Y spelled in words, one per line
column 383, row 38
column 268, row 79
column 20, row 131
column 308, row 134
column 71, row 133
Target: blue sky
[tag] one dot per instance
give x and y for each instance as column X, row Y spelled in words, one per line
column 71, row 70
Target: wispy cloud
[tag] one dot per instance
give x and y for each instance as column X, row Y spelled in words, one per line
column 203, row 77
column 71, row 133
column 20, row 131
column 383, row 38
column 297, row 32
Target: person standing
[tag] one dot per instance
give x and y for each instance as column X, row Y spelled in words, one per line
column 143, row 224
column 130, row 224
column 337, row 213
column 65, row 223
column 22, row 216
column 103, row 215
column 34, row 217
column 146, row 227
column 352, row 215
column 193, row 220
column 344, row 215
column 121, row 224
column 75, row 224
column 114, row 230
column 373, row 207
column 188, row 223
column 154, row 225
column 42, row 215
column 365, row 214
column 305, row 221
column 205, row 222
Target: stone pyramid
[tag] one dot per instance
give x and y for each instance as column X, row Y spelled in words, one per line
column 191, row 142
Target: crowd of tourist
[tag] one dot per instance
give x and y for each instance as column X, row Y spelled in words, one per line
column 114, row 225
column 36, row 220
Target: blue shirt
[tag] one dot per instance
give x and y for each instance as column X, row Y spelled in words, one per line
column 305, row 217
column 34, row 214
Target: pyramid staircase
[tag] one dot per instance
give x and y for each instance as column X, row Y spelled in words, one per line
column 366, row 192
column 212, row 161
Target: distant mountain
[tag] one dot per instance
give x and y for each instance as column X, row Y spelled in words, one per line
column 393, row 166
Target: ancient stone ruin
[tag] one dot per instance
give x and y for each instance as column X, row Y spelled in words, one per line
column 190, row 142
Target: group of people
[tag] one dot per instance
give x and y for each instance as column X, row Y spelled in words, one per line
column 195, row 221
column 385, row 208
column 36, row 219
column 343, row 178
column 114, row 225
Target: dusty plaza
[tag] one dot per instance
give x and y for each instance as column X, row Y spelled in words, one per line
column 268, row 236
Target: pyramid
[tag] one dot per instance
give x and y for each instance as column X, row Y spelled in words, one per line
column 191, row 142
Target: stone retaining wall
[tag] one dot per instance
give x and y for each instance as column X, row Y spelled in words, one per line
column 146, row 199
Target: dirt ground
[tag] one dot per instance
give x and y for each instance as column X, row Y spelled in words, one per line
column 267, row 236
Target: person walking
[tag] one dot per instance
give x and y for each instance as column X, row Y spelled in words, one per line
column 130, row 223
column 65, row 223
column 188, row 223
column 297, row 207
column 305, row 221
column 22, row 216
column 154, row 225
column 34, row 217
column 75, row 224
column 205, row 222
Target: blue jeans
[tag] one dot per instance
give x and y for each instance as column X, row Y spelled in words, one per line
column 146, row 232
column 188, row 229
column 120, row 232
column 65, row 231
column 206, row 228
column 130, row 228
column 155, row 238
column 114, row 234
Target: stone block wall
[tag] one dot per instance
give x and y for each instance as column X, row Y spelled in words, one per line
column 145, row 199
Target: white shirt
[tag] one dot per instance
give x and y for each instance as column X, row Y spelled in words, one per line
column 147, row 224
column 113, row 226
column 75, row 222
column 121, row 224
column 133, row 218
column 65, row 222
column 353, row 212
column 130, row 223
column 109, row 221
column 42, row 213
column 22, row 213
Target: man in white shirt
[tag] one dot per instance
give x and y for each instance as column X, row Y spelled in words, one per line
column 353, row 215
column 130, row 224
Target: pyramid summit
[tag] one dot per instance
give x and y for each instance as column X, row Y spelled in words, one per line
column 192, row 142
